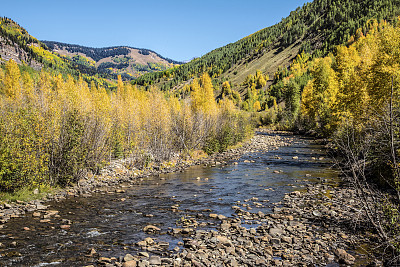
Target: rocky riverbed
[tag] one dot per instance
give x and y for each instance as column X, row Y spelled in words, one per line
column 314, row 225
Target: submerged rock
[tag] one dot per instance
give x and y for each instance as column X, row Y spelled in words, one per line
column 151, row 228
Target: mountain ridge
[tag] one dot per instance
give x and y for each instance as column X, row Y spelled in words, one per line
column 49, row 43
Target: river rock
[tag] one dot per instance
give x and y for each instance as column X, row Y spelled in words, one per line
column 221, row 217
column 149, row 241
column 225, row 226
column 131, row 263
column 224, row 240
column 163, row 244
column 144, row 254
column 151, row 228
column 316, row 213
column 91, row 252
column 275, row 231
column 287, row 239
column 155, row 260
column 344, row 257
column 187, row 231
column 41, row 206
column 141, row 243
column 275, row 241
column 213, row 215
column 128, row 257
column 104, row 260
column 52, row 212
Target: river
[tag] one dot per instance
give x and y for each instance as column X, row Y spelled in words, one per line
column 112, row 223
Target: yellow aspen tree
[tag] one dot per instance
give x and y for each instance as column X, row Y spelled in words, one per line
column 203, row 95
column 260, row 80
column 299, row 64
column 320, row 95
column 28, row 85
column 208, row 94
column 308, row 101
column 257, row 106
column 226, row 89
column 352, row 97
column 12, row 86
column 226, row 106
column 385, row 69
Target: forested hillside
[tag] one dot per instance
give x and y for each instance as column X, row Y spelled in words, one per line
column 315, row 28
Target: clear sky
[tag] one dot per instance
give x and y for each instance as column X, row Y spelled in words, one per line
column 179, row 30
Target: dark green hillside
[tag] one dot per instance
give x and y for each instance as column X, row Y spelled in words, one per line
column 316, row 27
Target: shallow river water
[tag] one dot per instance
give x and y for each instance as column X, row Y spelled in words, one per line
column 112, row 223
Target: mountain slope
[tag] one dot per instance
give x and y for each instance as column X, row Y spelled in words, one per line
column 315, row 28
column 16, row 44
column 127, row 61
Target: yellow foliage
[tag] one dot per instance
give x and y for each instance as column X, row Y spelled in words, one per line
column 52, row 129
column 226, row 106
column 360, row 83
column 299, row 64
column 257, row 106
column 203, row 99
column 260, row 80
column 11, row 86
column 319, row 95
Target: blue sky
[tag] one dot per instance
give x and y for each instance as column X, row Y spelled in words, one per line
column 179, row 30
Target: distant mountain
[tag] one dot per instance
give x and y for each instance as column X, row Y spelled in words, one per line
column 128, row 61
column 98, row 64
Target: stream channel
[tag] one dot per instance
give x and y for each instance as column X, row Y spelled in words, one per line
column 112, row 223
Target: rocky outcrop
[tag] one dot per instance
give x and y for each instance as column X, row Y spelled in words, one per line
column 9, row 50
